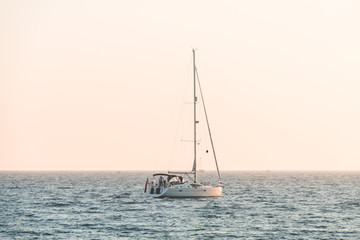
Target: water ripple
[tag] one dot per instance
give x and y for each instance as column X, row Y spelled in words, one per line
column 111, row 205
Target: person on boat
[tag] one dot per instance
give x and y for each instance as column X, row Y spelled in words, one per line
column 161, row 181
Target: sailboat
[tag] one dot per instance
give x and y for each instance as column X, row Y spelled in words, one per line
column 173, row 184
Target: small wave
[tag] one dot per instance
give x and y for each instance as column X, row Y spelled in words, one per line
column 353, row 203
column 124, row 195
column 58, row 204
column 133, row 209
column 117, row 217
column 65, row 187
column 130, row 202
column 27, row 232
column 29, row 215
column 87, row 225
column 287, row 208
column 321, row 227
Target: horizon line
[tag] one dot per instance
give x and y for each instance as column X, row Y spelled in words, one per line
column 142, row 170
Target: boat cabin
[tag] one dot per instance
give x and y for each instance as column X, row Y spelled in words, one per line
column 164, row 179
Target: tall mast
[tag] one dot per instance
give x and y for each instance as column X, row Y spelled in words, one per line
column 195, row 99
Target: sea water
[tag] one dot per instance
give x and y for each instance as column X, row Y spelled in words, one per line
column 112, row 205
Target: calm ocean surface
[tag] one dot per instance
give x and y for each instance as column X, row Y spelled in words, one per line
column 112, row 205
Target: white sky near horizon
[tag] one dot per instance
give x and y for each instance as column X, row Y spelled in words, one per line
column 98, row 85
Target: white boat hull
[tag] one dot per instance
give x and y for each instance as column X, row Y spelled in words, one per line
column 183, row 191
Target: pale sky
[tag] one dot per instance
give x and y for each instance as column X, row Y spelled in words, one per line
column 99, row 85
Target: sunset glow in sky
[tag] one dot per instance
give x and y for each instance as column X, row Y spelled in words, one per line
column 98, row 85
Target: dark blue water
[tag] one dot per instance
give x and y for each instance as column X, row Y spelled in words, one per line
column 111, row 205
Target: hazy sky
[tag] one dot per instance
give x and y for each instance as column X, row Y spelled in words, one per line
column 99, row 85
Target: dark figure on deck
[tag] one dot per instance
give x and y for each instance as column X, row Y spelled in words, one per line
column 161, row 181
